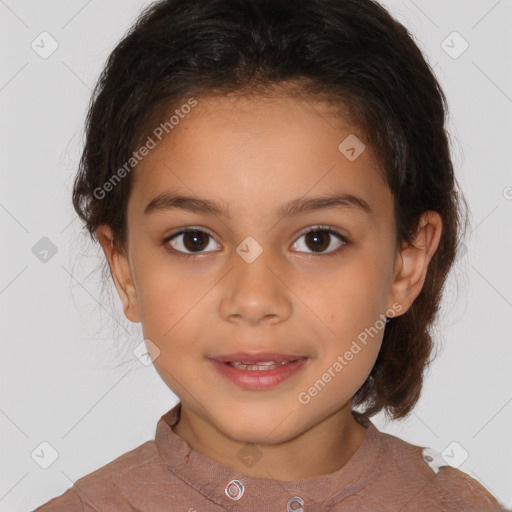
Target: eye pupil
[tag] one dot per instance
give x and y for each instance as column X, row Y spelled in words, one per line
column 199, row 238
column 319, row 237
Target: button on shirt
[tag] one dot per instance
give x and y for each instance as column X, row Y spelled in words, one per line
column 385, row 474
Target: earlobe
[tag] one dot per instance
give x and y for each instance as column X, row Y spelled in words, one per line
column 412, row 262
column 121, row 274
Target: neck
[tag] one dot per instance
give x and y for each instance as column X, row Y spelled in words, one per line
column 319, row 450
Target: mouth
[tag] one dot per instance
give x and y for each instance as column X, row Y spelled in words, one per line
column 258, row 371
column 264, row 365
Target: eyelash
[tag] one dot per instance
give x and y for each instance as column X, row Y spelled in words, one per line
column 193, row 229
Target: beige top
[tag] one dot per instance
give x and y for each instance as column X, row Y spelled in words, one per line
column 384, row 474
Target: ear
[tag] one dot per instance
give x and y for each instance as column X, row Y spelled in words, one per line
column 412, row 262
column 121, row 274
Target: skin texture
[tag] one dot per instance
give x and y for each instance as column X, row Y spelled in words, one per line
column 253, row 155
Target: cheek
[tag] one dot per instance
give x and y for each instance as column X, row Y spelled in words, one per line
column 351, row 304
column 350, row 354
column 351, row 295
column 163, row 296
column 173, row 313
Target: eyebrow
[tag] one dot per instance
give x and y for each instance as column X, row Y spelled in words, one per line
column 164, row 202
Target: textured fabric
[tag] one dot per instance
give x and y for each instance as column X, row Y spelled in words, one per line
column 385, row 474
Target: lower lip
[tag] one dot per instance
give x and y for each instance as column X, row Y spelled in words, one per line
column 258, row 379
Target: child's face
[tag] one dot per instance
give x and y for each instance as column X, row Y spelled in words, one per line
column 252, row 158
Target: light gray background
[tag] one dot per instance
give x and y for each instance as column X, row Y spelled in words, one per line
column 66, row 378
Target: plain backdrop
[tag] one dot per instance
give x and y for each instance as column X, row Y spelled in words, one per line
column 68, row 376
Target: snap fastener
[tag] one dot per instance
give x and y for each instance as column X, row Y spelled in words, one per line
column 295, row 504
column 234, row 490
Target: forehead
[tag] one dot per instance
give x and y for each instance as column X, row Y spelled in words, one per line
column 265, row 149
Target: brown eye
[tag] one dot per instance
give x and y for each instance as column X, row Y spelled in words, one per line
column 190, row 241
column 319, row 239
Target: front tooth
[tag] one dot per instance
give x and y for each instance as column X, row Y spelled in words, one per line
column 264, row 365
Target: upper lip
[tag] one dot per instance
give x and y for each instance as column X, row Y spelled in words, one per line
column 256, row 357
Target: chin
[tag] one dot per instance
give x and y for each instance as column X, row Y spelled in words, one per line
column 253, row 428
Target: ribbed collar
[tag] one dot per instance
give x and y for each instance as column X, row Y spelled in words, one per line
column 210, row 478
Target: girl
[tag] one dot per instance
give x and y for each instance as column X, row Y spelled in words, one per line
column 271, row 184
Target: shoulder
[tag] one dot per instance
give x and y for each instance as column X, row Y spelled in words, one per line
column 424, row 480
column 456, row 488
column 99, row 488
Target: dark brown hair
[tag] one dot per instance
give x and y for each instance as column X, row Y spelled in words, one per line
column 350, row 51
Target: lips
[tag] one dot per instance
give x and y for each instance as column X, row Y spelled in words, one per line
column 260, row 371
column 257, row 358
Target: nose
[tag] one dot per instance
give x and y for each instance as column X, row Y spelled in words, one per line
column 255, row 291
